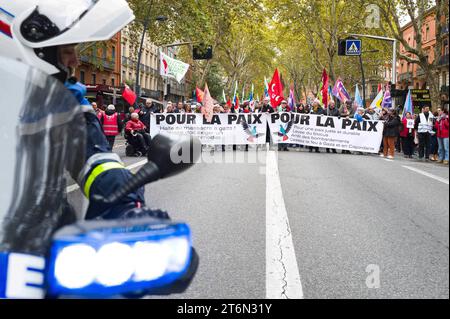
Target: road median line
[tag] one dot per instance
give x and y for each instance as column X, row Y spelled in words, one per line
column 282, row 275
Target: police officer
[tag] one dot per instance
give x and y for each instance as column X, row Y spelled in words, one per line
column 46, row 37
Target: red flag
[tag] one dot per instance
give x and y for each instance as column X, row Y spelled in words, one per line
column 380, row 87
column 200, row 95
column 128, row 95
column 276, row 90
column 325, row 84
column 229, row 103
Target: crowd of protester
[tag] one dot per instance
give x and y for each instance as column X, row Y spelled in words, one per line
column 424, row 136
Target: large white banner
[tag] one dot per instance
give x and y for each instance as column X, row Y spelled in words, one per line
column 224, row 129
column 326, row 131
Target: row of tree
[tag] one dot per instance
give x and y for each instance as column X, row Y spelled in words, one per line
column 251, row 38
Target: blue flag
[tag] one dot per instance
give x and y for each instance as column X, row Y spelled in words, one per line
column 358, row 99
column 409, row 107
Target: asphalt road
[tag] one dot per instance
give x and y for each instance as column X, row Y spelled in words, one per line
column 360, row 226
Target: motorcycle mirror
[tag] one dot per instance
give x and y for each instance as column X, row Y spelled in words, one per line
column 168, row 156
column 173, row 155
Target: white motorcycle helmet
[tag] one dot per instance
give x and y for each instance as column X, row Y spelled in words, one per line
column 31, row 30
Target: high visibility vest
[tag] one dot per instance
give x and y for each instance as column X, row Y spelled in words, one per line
column 424, row 125
column 110, row 126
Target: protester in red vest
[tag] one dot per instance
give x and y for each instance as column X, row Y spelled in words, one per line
column 112, row 125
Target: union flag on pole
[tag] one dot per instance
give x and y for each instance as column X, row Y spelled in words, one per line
column 276, row 90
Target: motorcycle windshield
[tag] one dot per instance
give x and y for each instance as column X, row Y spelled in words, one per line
column 42, row 134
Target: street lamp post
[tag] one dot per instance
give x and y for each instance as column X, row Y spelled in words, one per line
column 363, row 80
column 362, row 73
column 394, row 52
column 138, row 64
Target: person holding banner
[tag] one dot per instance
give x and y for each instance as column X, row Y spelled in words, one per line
column 407, row 135
column 332, row 111
column 179, row 108
column 345, row 113
column 283, row 108
column 169, row 108
column 316, row 109
column 371, row 114
column 267, row 108
column 188, row 108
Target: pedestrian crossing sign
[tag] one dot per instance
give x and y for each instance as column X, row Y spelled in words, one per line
column 353, row 47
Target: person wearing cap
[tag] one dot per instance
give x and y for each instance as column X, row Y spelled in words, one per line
column 111, row 124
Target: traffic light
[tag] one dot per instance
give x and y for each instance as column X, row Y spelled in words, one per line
column 394, row 92
column 341, row 47
column 202, row 52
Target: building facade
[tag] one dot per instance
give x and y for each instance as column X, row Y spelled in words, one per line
column 152, row 85
column 411, row 75
column 99, row 70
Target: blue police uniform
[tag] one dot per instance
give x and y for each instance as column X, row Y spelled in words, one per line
column 104, row 171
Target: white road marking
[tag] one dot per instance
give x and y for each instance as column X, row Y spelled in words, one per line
column 440, row 179
column 74, row 187
column 282, row 275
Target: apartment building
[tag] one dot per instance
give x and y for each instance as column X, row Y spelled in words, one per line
column 412, row 76
column 152, row 85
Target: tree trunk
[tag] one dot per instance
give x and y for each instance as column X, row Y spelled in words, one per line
column 433, row 83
